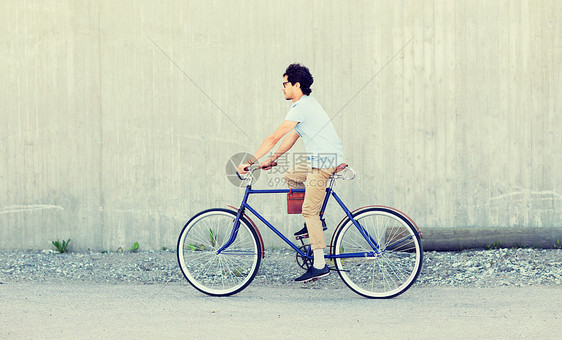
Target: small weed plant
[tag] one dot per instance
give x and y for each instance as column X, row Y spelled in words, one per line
column 520, row 245
column 495, row 245
column 135, row 247
column 61, row 247
column 213, row 237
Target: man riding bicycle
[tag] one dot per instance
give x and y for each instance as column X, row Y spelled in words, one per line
column 306, row 119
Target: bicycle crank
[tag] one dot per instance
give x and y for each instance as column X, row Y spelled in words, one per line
column 302, row 261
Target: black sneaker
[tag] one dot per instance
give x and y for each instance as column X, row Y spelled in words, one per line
column 313, row 274
column 303, row 233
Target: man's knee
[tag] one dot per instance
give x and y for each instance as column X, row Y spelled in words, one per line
column 310, row 212
column 290, row 181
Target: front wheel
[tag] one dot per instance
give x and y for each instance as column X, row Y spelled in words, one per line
column 385, row 273
column 221, row 274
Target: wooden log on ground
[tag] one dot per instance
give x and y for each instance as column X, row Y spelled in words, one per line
column 454, row 239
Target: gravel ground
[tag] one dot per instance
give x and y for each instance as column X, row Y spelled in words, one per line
column 470, row 268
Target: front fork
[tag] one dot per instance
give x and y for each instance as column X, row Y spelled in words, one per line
column 236, row 225
column 234, row 232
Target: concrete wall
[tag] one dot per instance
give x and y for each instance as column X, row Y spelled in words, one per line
column 118, row 117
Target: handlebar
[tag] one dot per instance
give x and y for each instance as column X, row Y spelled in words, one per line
column 255, row 167
column 346, row 173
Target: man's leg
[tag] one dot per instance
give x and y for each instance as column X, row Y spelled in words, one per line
column 314, row 197
column 316, row 182
column 295, row 177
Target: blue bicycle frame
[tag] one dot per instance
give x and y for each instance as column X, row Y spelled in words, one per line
column 329, row 192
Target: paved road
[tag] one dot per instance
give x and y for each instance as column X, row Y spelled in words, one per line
column 174, row 311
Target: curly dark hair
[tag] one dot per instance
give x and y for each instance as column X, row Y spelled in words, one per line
column 297, row 73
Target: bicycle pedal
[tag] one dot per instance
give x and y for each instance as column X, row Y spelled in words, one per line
column 339, row 270
column 301, row 237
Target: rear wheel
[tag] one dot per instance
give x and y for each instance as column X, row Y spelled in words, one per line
column 399, row 260
column 221, row 274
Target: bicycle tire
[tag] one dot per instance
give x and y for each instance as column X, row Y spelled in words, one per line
column 392, row 271
column 218, row 274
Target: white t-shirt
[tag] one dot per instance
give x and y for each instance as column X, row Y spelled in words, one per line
column 323, row 146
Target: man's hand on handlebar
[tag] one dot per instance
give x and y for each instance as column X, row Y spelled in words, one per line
column 268, row 164
column 243, row 168
column 265, row 165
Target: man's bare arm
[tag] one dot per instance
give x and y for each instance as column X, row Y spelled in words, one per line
column 286, row 145
column 270, row 142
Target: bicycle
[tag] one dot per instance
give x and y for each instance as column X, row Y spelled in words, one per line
column 376, row 249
